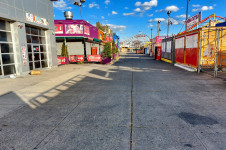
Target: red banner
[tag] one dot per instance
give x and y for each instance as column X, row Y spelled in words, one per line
column 76, row 58
column 61, row 60
column 94, row 58
column 58, row 28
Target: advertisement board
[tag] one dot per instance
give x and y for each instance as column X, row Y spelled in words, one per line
column 194, row 19
column 58, row 29
column 36, row 19
column 86, row 30
column 94, row 58
column 76, row 58
column 61, row 60
column 73, row 29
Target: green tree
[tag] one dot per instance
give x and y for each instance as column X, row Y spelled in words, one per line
column 114, row 48
column 64, row 51
column 107, row 50
column 99, row 26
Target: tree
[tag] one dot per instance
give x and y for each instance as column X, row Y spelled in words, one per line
column 99, row 26
column 107, row 50
column 64, row 51
column 114, row 48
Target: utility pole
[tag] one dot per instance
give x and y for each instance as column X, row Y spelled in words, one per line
column 186, row 16
column 168, row 13
column 158, row 26
column 151, row 33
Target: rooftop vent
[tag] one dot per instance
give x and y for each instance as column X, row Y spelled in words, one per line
column 68, row 15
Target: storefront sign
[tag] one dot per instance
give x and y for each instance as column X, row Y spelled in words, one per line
column 58, row 29
column 94, row 58
column 76, row 58
column 24, row 55
column 194, row 19
column 73, row 29
column 36, row 19
column 86, row 30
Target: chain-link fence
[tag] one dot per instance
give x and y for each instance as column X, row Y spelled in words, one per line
column 212, row 50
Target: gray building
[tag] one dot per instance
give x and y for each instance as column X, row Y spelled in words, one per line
column 27, row 39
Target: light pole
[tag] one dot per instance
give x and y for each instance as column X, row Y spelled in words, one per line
column 80, row 5
column 151, row 33
column 158, row 26
column 186, row 17
column 168, row 13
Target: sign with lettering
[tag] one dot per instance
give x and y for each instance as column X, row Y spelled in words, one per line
column 194, row 19
column 36, row 19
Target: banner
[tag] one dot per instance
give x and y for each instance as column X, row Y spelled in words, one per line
column 76, row 58
column 194, row 19
column 86, row 30
column 58, row 29
column 94, row 58
column 73, row 29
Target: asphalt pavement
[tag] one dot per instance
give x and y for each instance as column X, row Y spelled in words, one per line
column 135, row 104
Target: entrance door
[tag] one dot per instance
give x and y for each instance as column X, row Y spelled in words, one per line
column 34, row 57
column 94, row 51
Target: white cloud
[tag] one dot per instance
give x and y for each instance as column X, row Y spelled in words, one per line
column 61, row 5
column 181, row 16
column 128, row 14
column 172, row 8
column 146, row 8
column 195, row 5
column 102, row 17
column 151, row 25
column 161, row 10
column 107, row 2
column 150, row 20
column 137, row 4
column 205, row 8
column 116, row 27
column 114, row 13
column 159, row 19
column 194, row 10
column 126, row 8
column 137, row 10
column 150, row 15
column 92, row 5
column 150, row 3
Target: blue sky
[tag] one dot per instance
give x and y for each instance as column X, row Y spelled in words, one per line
column 129, row 17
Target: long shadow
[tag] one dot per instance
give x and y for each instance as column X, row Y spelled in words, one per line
column 83, row 112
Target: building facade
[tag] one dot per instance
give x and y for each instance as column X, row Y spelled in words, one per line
column 27, row 39
column 81, row 39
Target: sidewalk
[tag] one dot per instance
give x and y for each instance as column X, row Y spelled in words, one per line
column 27, row 90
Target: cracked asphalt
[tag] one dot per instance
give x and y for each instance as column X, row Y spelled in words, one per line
column 135, row 104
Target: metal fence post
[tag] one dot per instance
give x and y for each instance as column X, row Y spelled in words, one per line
column 216, row 55
column 200, row 53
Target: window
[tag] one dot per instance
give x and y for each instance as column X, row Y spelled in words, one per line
column 36, row 46
column 7, row 63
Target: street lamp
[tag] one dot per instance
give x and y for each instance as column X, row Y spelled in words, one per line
column 168, row 13
column 80, row 5
column 158, row 30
